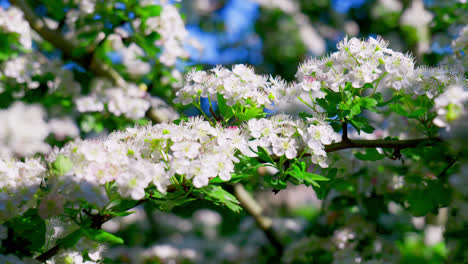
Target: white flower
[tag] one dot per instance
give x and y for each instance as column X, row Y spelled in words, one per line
column 24, row 129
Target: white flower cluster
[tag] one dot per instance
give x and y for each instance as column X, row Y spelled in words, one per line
column 358, row 62
column 131, row 56
column 450, row 104
column 25, row 67
column 282, row 135
column 129, row 101
column 19, row 182
column 171, row 27
column 22, row 69
column 460, row 49
column 149, row 155
column 241, row 85
column 11, row 20
column 23, row 129
column 70, row 256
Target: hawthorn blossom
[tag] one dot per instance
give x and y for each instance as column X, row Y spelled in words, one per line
column 239, row 85
column 19, row 182
column 282, row 135
column 11, row 20
column 129, row 101
column 24, row 129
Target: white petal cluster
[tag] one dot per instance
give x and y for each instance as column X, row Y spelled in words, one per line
column 11, row 20
column 63, row 128
column 461, row 42
column 69, row 256
column 173, row 33
column 434, row 81
column 131, row 56
column 357, row 62
column 22, row 69
column 241, row 85
column 129, row 101
column 151, row 155
column 19, row 182
column 23, row 129
column 450, row 104
column 282, row 135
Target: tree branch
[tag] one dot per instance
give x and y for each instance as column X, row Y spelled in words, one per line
column 254, row 209
column 89, row 60
column 382, row 143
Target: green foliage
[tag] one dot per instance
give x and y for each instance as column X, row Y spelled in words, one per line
column 26, row 234
column 299, row 171
column 218, row 195
column 101, row 236
column 371, row 154
column 61, row 165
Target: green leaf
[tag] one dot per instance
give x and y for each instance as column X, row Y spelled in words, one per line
column 61, row 165
column 275, row 181
column 27, row 233
column 361, row 123
column 148, row 11
column 248, row 112
column 382, row 103
column 367, row 102
column 102, row 236
column 355, row 110
column 218, row 195
column 315, row 177
column 370, row 154
column 417, row 113
column 71, row 239
column 300, row 173
column 263, row 154
column 225, row 110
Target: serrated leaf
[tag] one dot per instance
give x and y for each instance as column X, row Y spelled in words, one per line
column 361, row 123
column 263, row 154
column 355, row 110
column 102, row 236
column 217, row 195
column 367, row 102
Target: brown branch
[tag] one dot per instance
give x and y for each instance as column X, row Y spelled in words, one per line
column 254, row 209
column 382, row 143
column 88, row 60
column 344, row 135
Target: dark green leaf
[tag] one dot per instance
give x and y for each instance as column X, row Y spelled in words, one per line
column 218, row 195
column 27, row 233
column 71, row 239
column 370, row 154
